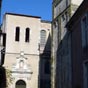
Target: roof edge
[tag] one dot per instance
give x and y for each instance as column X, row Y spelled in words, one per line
column 16, row 14
column 46, row 21
column 68, row 25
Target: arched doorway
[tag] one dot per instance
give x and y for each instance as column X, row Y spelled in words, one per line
column 20, row 84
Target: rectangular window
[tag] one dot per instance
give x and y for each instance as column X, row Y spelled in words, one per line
column 66, row 14
column 66, row 3
column 84, row 20
column 17, row 35
column 63, row 17
column 84, row 30
column 85, row 75
column 47, row 67
column 27, row 35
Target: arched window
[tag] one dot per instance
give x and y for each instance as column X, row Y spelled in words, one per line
column 27, row 35
column 17, row 34
column 42, row 37
column 20, row 84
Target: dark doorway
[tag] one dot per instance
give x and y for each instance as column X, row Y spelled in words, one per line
column 20, row 84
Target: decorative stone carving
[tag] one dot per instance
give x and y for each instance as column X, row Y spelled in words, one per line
column 21, row 69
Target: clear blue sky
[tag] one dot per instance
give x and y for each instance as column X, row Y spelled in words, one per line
column 42, row 8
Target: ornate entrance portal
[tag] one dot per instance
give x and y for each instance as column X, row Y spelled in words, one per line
column 20, row 84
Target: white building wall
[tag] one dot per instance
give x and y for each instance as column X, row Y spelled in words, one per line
column 58, row 9
column 30, row 49
column 76, row 2
column 23, row 22
column 47, row 27
column 33, row 61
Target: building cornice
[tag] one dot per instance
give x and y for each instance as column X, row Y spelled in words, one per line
column 45, row 21
column 76, row 14
column 19, row 54
column 16, row 14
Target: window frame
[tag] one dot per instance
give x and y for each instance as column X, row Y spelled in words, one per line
column 17, row 34
column 84, row 30
column 43, row 37
column 27, row 35
column 47, row 67
column 85, row 79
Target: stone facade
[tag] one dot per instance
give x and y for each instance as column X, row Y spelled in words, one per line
column 61, row 43
column 22, row 57
column 78, row 25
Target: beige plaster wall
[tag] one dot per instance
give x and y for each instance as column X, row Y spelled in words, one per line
column 30, row 49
